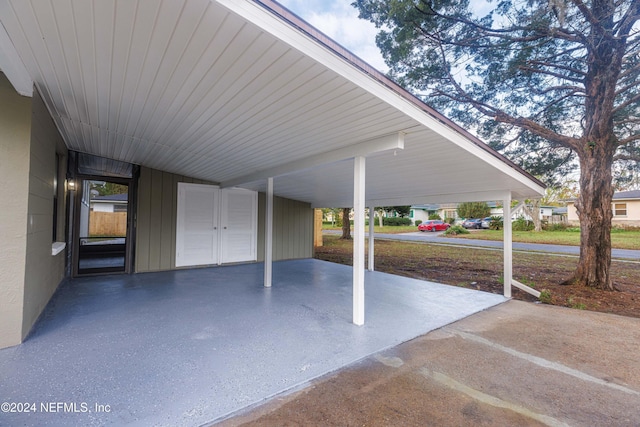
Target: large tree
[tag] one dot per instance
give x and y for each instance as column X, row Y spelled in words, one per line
column 552, row 79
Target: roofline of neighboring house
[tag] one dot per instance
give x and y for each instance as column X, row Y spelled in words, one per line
column 312, row 32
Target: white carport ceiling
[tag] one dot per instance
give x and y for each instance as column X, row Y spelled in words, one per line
column 195, row 88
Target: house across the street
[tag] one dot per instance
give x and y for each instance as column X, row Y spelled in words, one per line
column 625, row 207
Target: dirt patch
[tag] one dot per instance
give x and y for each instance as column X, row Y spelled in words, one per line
column 481, row 269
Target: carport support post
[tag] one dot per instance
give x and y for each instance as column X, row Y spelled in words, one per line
column 508, row 245
column 268, row 235
column 358, row 239
column 372, row 220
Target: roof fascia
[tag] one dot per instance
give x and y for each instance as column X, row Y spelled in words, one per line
column 13, row 67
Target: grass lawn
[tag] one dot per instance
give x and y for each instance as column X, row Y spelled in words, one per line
column 481, row 269
column 388, row 229
column 619, row 239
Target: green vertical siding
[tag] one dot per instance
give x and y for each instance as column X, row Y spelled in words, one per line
column 156, row 223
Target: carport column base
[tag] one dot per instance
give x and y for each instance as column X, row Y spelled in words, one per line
column 268, row 235
column 508, row 245
column 358, row 239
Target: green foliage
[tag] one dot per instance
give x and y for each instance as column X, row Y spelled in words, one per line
column 496, row 223
column 395, row 221
column 545, row 296
column 455, row 230
column 473, row 210
column 555, row 227
column 522, row 224
column 435, row 216
column 520, row 71
column 109, row 188
column 418, row 222
column 450, row 220
column 401, row 211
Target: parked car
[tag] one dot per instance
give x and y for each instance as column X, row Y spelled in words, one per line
column 433, row 225
column 486, row 222
column 472, row 223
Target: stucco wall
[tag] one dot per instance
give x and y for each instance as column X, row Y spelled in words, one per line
column 156, row 223
column 43, row 271
column 15, row 134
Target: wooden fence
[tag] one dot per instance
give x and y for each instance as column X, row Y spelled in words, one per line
column 113, row 224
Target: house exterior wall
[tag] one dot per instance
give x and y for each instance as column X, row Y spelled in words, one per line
column 15, row 134
column 292, row 228
column 44, row 272
column 155, row 248
column 30, row 273
column 631, row 219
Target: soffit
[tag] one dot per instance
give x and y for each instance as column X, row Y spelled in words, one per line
column 191, row 88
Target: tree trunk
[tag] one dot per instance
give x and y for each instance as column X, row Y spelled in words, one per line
column 346, row 224
column 595, row 213
column 380, row 216
column 534, row 213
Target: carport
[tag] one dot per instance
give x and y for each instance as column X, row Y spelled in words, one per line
column 187, row 347
column 243, row 93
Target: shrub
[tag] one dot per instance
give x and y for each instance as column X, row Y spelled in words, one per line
column 418, row 222
column 522, row 224
column 435, row 216
column 556, row 227
column 455, row 230
column 393, row 221
column 496, row 223
column 450, row 221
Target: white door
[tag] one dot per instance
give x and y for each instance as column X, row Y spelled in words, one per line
column 197, row 225
column 239, row 225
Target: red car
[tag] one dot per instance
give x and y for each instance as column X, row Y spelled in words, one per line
column 433, row 225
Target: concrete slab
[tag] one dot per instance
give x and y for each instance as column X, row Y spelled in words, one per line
column 516, row 364
column 188, row 347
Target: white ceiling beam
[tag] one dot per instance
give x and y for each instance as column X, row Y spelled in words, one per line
column 390, row 142
column 478, row 196
column 13, row 67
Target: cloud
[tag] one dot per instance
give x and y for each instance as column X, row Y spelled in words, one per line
column 339, row 20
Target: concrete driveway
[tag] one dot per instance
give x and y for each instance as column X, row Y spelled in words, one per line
column 517, row 363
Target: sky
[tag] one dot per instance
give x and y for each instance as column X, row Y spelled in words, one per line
column 339, row 20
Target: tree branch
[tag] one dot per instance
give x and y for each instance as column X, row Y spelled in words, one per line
column 625, row 104
column 629, row 139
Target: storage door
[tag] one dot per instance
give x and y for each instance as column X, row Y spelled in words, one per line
column 239, row 239
column 197, row 225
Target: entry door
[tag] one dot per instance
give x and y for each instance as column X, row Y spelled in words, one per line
column 239, row 225
column 197, row 225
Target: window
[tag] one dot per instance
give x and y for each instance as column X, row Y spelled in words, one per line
column 619, row 209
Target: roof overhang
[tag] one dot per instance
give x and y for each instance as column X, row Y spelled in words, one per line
column 235, row 91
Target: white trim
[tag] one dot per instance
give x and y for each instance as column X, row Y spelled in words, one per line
column 274, row 25
column 525, row 288
column 394, row 141
column 508, row 245
column 268, row 235
column 359, row 164
column 372, row 221
column 13, row 67
column 57, row 247
column 479, row 196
